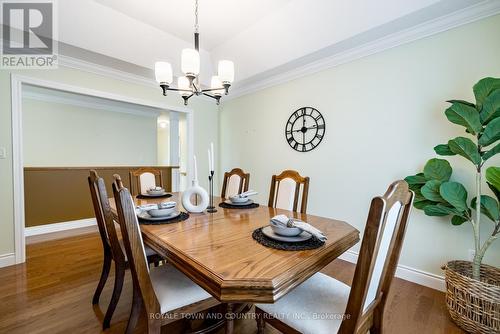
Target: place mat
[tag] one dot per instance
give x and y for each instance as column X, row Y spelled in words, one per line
column 288, row 246
column 140, row 196
column 179, row 218
column 231, row 206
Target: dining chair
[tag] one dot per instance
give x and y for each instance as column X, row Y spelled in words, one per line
column 235, row 182
column 145, row 178
column 285, row 191
column 339, row 308
column 112, row 245
column 166, row 293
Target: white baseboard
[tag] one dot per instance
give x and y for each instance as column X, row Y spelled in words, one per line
column 58, row 227
column 421, row 277
column 7, row 259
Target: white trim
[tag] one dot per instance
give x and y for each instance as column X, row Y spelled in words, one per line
column 58, row 227
column 417, row 276
column 7, row 259
column 461, row 17
column 17, row 145
column 81, row 102
column 109, row 72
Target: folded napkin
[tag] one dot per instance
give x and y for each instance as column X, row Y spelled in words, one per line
column 284, row 221
column 247, row 193
column 145, row 207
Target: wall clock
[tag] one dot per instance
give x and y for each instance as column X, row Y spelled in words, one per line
column 305, row 129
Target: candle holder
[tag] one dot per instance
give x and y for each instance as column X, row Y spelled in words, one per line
column 211, row 208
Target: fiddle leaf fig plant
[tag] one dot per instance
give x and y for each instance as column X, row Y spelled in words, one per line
column 437, row 195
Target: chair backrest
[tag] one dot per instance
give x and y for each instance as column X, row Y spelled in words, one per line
column 235, row 182
column 378, row 257
column 285, row 191
column 104, row 216
column 145, row 179
column 134, row 246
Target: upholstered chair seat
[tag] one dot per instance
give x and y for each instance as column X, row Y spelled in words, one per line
column 314, row 307
column 174, row 289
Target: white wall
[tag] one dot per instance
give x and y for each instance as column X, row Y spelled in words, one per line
column 64, row 135
column 384, row 114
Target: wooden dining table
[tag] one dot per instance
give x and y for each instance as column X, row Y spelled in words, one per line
column 217, row 251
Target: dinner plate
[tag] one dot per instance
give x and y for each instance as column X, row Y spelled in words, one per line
column 268, row 232
column 154, row 195
column 145, row 215
column 227, row 201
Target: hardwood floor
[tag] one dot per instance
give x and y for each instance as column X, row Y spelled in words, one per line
column 52, row 292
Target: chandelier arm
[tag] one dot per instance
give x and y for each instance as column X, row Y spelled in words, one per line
column 179, row 90
column 211, row 89
column 215, row 97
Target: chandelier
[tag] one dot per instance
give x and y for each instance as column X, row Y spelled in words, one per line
column 189, row 84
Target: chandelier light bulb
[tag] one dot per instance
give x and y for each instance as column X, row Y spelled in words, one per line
column 226, row 71
column 183, row 83
column 163, row 72
column 190, row 62
column 216, row 83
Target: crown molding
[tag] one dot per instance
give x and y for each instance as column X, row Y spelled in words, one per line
column 90, row 102
column 431, row 27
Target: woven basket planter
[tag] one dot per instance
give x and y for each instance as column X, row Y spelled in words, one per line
column 473, row 305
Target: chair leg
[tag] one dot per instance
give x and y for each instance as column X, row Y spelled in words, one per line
column 135, row 311
column 229, row 319
column 154, row 326
column 261, row 321
column 106, row 266
column 117, row 290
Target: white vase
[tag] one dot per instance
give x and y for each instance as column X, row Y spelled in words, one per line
column 188, row 194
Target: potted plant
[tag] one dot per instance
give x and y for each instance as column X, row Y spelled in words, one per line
column 473, row 288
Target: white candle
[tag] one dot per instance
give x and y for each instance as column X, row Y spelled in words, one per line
column 212, row 167
column 195, row 169
column 209, row 162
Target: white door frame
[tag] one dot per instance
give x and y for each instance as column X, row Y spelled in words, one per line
column 17, row 82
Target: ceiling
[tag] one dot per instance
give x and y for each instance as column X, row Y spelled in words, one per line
column 264, row 38
column 219, row 20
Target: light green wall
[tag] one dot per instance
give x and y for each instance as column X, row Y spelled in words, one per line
column 384, row 114
column 205, row 126
column 62, row 135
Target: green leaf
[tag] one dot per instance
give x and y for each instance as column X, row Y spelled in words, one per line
column 462, row 102
column 491, row 133
column 416, row 179
column 437, row 169
column 491, row 152
column 443, row 149
column 466, row 148
column 493, row 177
column 440, row 210
column 495, row 190
column 464, row 115
column 483, row 88
column 430, row 191
column 489, row 207
column 458, row 220
column 455, row 194
column 422, row 204
column 491, row 107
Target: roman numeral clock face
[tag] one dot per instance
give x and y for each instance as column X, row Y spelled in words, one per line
column 305, row 129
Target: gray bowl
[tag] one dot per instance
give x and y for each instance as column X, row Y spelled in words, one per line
column 161, row 212
column 237, row 199
column 286, row 231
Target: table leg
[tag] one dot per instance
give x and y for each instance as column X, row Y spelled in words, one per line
column 229, row 319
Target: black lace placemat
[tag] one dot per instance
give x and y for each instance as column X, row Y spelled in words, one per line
column 288, row 246
column 231, row 206
column 140, row 196
column 179, row 218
